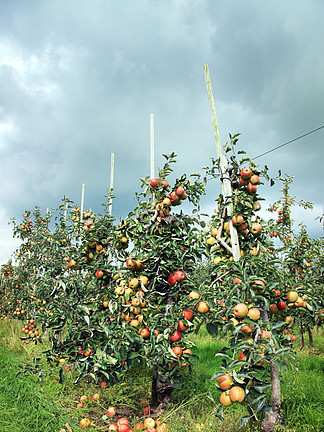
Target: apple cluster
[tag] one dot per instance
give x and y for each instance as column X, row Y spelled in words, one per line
column 245, row 204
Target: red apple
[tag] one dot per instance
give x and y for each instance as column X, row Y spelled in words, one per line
column 292, row 296
column 255, row 180
column 246, row 173
column 257, row 284
column 177, row 351
column 130, row 263
column 154, row 182
column 144, row 332
column 281, row 305
column 237, row 220
column 111, row 411
column 256, row 229
column 123, row 420
column 182, row 194
column 188, row 314
column 254, row 314
column 273, row 308
column 179, row 276
column 176, row 336
column 202, row 307
column 179, row 191
column 181, row 326
column 251, row 189
column 99, row 273
column 256, row 206
column 113, row 427
column 225, row 382
column 288, row 320
column 243, row 182
column 240, row 310
column 149, row 423
column 163, row 427
column 172, row 280
column 174, row 198
column 247, row 329
column 123, row 428
column 236, row 394
column 165, row 184
column 225, row 399
column 265, row 334
column 241, row 356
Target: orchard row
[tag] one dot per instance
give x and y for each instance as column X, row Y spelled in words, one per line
column 110, row 295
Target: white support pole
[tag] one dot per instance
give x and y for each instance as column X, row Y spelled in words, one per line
column 112, row 167
column 223, row 165
column 65, row 211
column 152, row 145
column 82, row 202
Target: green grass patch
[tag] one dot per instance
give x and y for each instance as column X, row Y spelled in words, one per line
column 24, row 406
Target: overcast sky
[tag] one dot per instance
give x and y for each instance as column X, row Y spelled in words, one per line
column 79, row 79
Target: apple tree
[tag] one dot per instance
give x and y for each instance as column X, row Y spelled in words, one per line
column 301, row 260
column 151, row 293
column 243, row 295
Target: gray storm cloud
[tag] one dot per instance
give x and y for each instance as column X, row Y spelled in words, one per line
column 79, row 80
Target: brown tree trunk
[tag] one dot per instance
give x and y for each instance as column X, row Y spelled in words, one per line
column 162, row 388
column 301, row 335
column 154, row 395
column 274, row 417
column 310, row 336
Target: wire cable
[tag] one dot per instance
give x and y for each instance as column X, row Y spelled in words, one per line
column 288, row 142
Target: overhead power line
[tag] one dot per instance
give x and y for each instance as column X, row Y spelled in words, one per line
column 288, row 142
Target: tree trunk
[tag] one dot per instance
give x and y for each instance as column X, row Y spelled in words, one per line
column 162, row 388
column 154, row 394
column 274, row 417
column 310, row 336
column 301, row 335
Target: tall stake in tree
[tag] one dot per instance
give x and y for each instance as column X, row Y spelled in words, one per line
column 152, row 145
column 112, row 166
column 223, row 167
column 82, row 202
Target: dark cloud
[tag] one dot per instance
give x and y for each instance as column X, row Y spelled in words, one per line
column 78, row 81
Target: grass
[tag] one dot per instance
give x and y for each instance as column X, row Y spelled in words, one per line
column 28, row 403
column 24, row 406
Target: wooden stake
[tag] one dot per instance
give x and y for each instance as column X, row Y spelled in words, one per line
column 112, row 166
column 152, row 144
column 223, row 167
column 82, row 202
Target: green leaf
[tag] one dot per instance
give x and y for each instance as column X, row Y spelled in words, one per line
column 237, row 378
column 211, row 397
column 84, row 309
column 262, row 388
column 220, row 413
column 61, row 375
column 243, row 422
column 278, row 324
column 212, row 329
column 216, row 375
column 260, row 404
